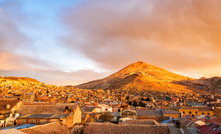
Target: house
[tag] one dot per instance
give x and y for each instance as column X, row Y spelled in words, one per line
column 196, row 110
column 161, row 114
column 73, row 110
column 27, row 97
column 86, row 118
column 39, row 119
column 9, row 105
column 128, row 113
column 104, row 108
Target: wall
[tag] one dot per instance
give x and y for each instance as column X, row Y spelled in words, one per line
column 69, row 121
column 77, row 115
column 178, row 115
column 206, row 113
column 17, row 106
column 217, row 112
column 193, row 111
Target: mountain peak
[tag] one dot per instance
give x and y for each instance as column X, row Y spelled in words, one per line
column 140, row 74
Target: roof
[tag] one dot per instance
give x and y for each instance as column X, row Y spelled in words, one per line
column 83, row 116
column 216, row 120
column 108, row 128
column 45, row 109
column 199, row 108
column 41, row 116
column 218, row 104
column 50, row 128
column 149, row 112
column 195, row 104
column 88, row 109
column 201, row 116
column 143, row 122
column 167, row 111
column 12, row 103
column 183, row 130
column 11, row 131
column 166, row 121
column 205, row 109
column 206, row 130
column 187, row 122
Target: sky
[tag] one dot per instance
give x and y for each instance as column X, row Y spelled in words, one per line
column 69, row 42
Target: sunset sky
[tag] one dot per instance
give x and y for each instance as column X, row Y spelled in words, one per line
column 68, row 42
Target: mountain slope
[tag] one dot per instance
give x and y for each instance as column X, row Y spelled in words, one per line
column 141, row 76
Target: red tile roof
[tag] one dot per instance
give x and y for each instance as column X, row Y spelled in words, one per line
column 206, row 130
column 216, row 120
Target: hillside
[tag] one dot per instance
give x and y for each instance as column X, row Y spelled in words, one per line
column 11, row 78
column 212, row 84
column 17, row 81
column 142, row 76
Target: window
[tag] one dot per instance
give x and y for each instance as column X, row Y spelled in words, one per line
column 208, row 113
column 196, row 112
column 190, row 112
column 202, row 113
column 183, row 112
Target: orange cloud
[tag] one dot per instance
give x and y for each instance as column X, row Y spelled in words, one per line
column 173, row 34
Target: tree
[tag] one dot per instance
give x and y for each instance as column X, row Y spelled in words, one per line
column 130, row 103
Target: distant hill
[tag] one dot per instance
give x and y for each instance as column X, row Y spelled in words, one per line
column 143, row 76
column 12, row 78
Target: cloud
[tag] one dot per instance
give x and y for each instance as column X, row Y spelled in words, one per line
column 11, row 38
column 173, row 34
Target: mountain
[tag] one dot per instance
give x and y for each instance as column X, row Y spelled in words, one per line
column 212, row 84
column 142, row 76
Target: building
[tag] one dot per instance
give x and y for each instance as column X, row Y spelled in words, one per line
column 27, row 97
column 196, row 111
column 39, row 119
column 9, row 105
column 72, row 110
column 161, row 114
